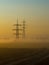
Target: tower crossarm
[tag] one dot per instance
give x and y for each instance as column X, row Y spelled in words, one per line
column 17, row 33
column 17, row 29
column 17, row 25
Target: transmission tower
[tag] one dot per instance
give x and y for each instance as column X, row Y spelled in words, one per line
column 23, row 29
column 19, row 27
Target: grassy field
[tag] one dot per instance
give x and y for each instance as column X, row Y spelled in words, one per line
column 22, row 56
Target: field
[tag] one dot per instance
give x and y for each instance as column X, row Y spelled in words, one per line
column 24, row 56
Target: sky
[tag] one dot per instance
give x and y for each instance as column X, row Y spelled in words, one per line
column 34, row 12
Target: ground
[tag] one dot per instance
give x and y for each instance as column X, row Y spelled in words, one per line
column 24, row 56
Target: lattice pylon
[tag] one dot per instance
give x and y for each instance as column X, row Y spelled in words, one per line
column 24, row 29
column 18, row 29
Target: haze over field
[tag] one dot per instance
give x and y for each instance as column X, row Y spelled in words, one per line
column 34, row 12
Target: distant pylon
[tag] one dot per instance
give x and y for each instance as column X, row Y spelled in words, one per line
column 19, row 27
column 24, row 29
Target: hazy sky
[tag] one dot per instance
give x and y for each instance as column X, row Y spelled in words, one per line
column 35, row 13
